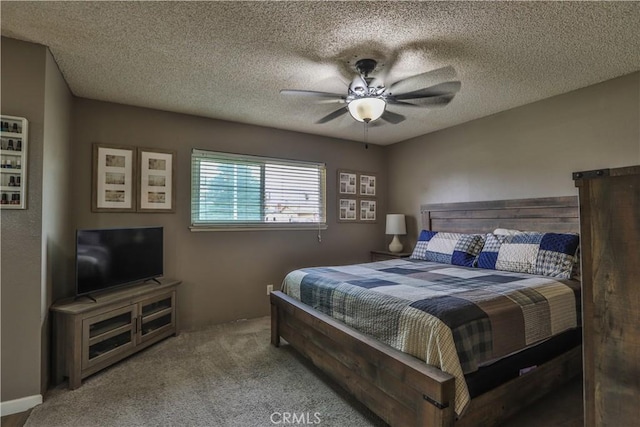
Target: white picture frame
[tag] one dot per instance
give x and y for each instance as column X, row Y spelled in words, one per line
column 113, row 178
column 368, row 210
column 347, row 210
column 347, row 182
column 367, row 185
column 156, row 183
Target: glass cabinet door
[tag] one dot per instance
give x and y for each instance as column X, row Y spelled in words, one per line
column 108, row 334
column 156, row 316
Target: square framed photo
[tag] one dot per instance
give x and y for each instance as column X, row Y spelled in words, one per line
column 347, row 182
column 368, row 210
column 347, row 210
column 367, row 185
column 156, row 184
column 356, row 196
column 114, row 172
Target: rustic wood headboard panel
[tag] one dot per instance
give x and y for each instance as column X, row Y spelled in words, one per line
column 549, row 214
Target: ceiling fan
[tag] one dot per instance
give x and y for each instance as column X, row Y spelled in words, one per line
column 368, row 97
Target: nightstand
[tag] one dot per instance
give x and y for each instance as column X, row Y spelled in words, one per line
column 384, row 255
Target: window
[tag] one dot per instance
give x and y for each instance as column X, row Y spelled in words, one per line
column 234, row 191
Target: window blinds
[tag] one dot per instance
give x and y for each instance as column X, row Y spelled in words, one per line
column 241, row 191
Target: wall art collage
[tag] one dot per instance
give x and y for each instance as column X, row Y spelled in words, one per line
column 357, row 196
column 132, row 179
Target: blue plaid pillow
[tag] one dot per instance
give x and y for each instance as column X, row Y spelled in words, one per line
column 448, row 248
column 420, row 250
column 547, row 254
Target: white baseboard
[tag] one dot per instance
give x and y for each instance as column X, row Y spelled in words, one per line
column 19, row 405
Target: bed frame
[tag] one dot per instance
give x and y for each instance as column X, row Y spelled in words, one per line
column 401, row 389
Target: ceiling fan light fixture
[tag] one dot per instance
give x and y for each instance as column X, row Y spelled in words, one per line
column 367, row 109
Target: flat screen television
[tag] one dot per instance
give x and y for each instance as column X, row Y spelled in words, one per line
column 110, row 258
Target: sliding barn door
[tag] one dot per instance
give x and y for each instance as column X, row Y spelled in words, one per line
column 610, row 234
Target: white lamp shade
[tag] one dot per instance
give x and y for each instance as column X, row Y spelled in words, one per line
column 366, row 109
column 396, row 224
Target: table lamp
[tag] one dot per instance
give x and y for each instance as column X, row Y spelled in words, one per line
column 396, row 226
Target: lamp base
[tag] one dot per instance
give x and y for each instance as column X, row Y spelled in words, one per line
column 395, row 246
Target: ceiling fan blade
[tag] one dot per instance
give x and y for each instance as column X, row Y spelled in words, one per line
column 376, row 123
column 442, row 89
column 447, row 88
column 394, row 118
column 433, row 101
column 423, row 80
column 312, row 94
column 334, row 115
column 392, row 101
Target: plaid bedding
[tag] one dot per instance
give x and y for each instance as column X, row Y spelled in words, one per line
column 452, row 317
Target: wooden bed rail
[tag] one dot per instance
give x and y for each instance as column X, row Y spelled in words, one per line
column 399, row 388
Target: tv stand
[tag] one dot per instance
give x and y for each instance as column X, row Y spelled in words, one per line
column 154, row 279
column 85, row 296
column 90, row 336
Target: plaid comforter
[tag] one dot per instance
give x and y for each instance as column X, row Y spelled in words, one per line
column 454, row 318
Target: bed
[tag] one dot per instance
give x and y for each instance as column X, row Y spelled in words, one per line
column 428, row 387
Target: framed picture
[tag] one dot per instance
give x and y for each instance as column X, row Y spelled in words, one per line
column 156, row 185
column 356, row 196
column 347, row 182
column 368, row 210
column 113, row 175
column 347, row 210
column 367, row 185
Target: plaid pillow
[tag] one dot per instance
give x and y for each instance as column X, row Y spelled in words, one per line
column 420, row 250
column 547, row 254
column 448, row 248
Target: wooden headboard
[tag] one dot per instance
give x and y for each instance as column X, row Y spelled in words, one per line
column 549, row 214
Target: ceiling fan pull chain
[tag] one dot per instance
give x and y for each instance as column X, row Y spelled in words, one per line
column 366, row 135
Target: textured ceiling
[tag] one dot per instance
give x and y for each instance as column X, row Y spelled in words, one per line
column 228, row 60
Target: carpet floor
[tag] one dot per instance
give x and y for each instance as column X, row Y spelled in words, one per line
column 225, row 375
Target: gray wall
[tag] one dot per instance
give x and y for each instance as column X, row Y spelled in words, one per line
column 35, row 246
column 57, row 221
column 23, row 88
column 224, row 274
column 529, row 151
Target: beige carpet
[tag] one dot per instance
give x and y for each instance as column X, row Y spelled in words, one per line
column 226, row 375
column 229, row 375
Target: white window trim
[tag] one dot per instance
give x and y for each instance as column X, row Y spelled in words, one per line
column 262, row 227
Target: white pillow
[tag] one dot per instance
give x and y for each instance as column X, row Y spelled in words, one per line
column 506, row 232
